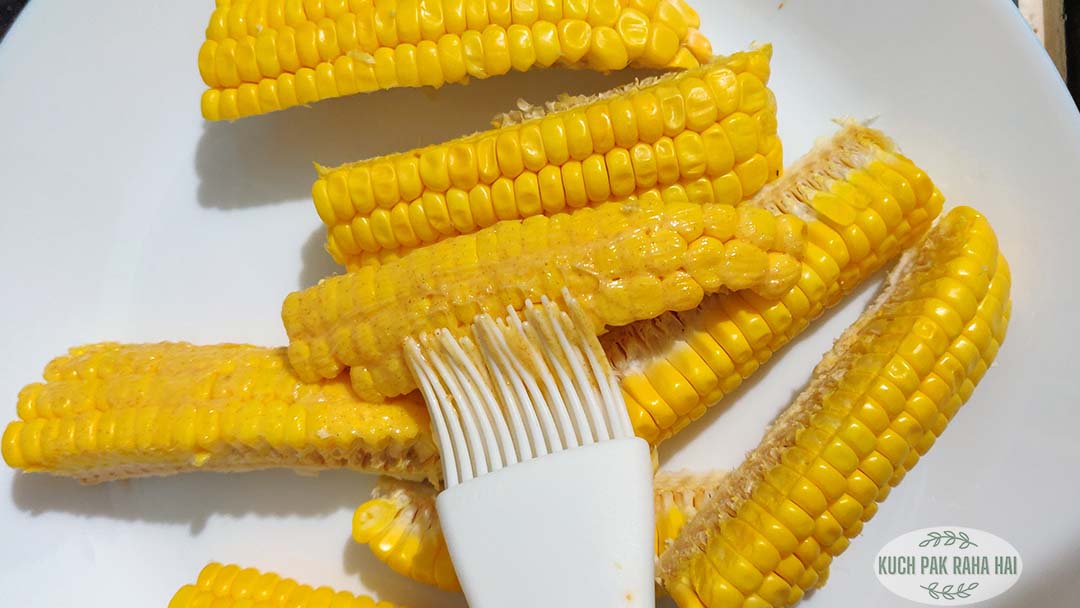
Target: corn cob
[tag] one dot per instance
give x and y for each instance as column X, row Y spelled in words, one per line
column 265, row 55
column 712, row 128
column 876, row 404
column 624, row 261
column 863, row 203
column 230, row 586
column 401, row 526
column 109, row 411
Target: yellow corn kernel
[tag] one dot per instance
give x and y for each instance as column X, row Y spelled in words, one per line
column 597, row 184
column 796, row 475
column 620, row 173
column 661, row 45
column 667, row 161
column 578, row 140
column 574, row 38
column 607, row 50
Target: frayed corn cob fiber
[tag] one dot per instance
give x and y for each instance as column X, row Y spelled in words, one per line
column 624, row 261
column 265, row 55
column 401, row 526
column 877, row 402
column 109, row 411
column 863, row 202
column 712, row 128
column 230, row 586
column 678, row 496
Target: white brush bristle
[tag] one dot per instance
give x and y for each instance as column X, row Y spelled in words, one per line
column 514, row 390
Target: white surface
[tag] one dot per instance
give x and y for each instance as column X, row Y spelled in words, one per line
column 538, row 512
column 125, row 218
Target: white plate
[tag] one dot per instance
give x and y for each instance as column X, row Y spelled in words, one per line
column 125, row 217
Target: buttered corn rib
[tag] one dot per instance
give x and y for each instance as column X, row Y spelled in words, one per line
column 862, row 201
column 712, row 128
column 109, row 411
column 221, row 586
column 624, row 261
column 877, row 402
column 401, row 526
column 265, row 55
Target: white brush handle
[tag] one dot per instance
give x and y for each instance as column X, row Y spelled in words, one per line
column 572, row 529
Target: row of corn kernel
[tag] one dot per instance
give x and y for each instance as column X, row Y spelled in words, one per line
column 112, row 359
column 909, row 378
column 715, row 121
column 223, row 435
column 391, row 22
column 234, row 587
column 662, row 160
column 491, row 51
column 114, row 376
column 618, row 174
column 488, row 51
column 864, row 220
column 461, row 213
column 453, row 59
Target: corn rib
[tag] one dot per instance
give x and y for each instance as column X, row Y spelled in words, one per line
column 110, row 411
column 265, row 55
column 877, row 402
column 230, row 586
column 712, row 129
column 623, row 261
column 863, row 203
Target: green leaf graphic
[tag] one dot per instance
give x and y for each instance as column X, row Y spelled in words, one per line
column 950, row 592
column 947, row 538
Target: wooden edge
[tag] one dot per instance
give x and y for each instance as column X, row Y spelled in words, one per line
column 1047, row 18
